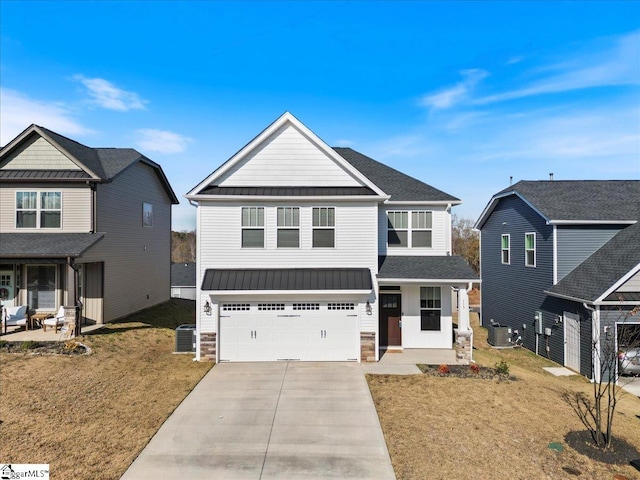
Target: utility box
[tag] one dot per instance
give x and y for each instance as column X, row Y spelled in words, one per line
column 186, row 338
column 499, row 336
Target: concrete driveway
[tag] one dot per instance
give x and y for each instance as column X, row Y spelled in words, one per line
column 271, row 421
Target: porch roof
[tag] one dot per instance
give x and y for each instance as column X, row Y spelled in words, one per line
column 434, row 268
column 40, row 246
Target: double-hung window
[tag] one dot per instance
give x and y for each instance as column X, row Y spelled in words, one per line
column 288, row 227
column 506, row 249
column 430, row 308
column 38, row 209
column 421, row 225
column 398, row 229
column 530, row 249
column 324, row 223
column 252, row 227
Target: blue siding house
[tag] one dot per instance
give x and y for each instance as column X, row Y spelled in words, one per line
column 560, row 263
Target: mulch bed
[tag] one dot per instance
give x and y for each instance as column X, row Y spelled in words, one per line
column 621, row 452
column 70, row 347
column 464, row 371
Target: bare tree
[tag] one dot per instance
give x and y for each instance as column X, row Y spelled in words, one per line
column 465, row 241
column 596, row 411
column 183, row 246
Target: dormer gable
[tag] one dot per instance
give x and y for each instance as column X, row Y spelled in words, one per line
column 286, row 155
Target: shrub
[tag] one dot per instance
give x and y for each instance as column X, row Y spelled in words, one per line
column 29, row 345
column 502, row 368
column 3, row 343
column 443, row 369
column 71, row 345
column 475, row 368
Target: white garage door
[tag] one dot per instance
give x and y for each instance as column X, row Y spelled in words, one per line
column 271, row 331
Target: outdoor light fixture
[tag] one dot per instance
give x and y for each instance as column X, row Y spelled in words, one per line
column 207, row 307
column 368, row 307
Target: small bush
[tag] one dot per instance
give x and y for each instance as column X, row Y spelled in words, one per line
column 443, row 369
column 71, row 345
column 502, row 368
column 28, row 345
column 3, row 343
column 475, row 368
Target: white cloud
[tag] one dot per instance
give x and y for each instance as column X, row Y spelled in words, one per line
column 106, row 95
column 19, row 111
column 457, row 93
column 163, row 141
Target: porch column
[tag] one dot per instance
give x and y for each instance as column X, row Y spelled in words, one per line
column 464, row 334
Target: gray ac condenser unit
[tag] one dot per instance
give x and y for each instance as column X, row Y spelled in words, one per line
column 499, row 336
column 186, row 338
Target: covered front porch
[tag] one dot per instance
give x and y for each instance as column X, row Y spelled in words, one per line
column 16, row 334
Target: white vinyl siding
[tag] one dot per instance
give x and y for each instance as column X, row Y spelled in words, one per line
column 412, row 334
column 76, row 207
column 631, row 285
column 38, row 154
column 276, row 164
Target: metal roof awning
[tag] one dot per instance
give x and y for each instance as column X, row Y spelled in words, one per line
column 288, row 280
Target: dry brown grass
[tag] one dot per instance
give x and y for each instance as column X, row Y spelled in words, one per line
column 90, row 416
column 442, row 428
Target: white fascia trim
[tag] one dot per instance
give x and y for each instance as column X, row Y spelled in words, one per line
column 555, row 254
column 568, row 297
column 619, row 283
column 263, row 198
column 423, row 202
column 591, row 222
column 306, row 293
column 617, row 303
column 287, row 117
column 395, row 281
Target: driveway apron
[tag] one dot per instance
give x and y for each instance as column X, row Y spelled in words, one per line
column 280, row 420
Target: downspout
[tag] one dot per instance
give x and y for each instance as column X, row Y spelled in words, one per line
column 595, row 337
column 76, row 302
column 94, row 213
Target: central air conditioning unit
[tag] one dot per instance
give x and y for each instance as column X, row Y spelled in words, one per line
column 186, row 338
column 499, row 336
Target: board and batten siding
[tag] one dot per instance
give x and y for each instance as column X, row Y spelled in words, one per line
column 577, row 243
column 441, row 231
column 511, row 294
column 38, row 154
column 76, row 207
column 277, row 163
column 137, row 259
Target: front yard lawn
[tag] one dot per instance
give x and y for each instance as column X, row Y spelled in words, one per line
column 88, row 416
column 471, row 428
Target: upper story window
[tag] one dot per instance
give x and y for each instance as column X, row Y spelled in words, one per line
column 415, row 234
column 324, row 223
column 430, row 308
column 38, row 209
column 252, row 227
column 147, row 215
column 506, row 249
column 288, row 227
column 530, row 249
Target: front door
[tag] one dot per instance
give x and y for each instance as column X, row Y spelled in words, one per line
column 390, row 319
column 6, row 288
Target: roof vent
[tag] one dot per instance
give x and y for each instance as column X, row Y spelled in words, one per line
column 551, row 177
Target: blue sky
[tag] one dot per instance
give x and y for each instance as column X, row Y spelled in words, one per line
column 461, row 95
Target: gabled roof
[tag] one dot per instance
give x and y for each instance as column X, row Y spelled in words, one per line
column 46, row 245
column 575, row 201
column 183, row 274
column 603, row 271
column 97, row 164
column 401, row 187
column 437, row 268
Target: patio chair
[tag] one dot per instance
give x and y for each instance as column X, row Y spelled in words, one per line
column 15, row 316
column 55, row 322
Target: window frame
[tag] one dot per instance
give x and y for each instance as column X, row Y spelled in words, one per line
column 331, row 225
column 425, row 307
column 391, row 228
column 429, row 228
column 503, row 249
column 39, row 209
column 530, row 250
column 147, row 215
column 31, row 302
column 294, row 219
column 246, row 228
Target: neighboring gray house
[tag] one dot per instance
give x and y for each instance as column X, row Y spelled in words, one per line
column 82, row 224
column 562, row 256
column 314, row 253
column 183, row 280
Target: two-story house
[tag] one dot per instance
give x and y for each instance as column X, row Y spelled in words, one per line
column 560, row 263
column 81, row 224
column 309, row 252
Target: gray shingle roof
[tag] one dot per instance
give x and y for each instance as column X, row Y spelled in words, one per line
column 425, row 268
column 593, row 277
column 183, row 274
column 399, row 186
column 591, row 200
column 288, row 279
column 46, row 245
